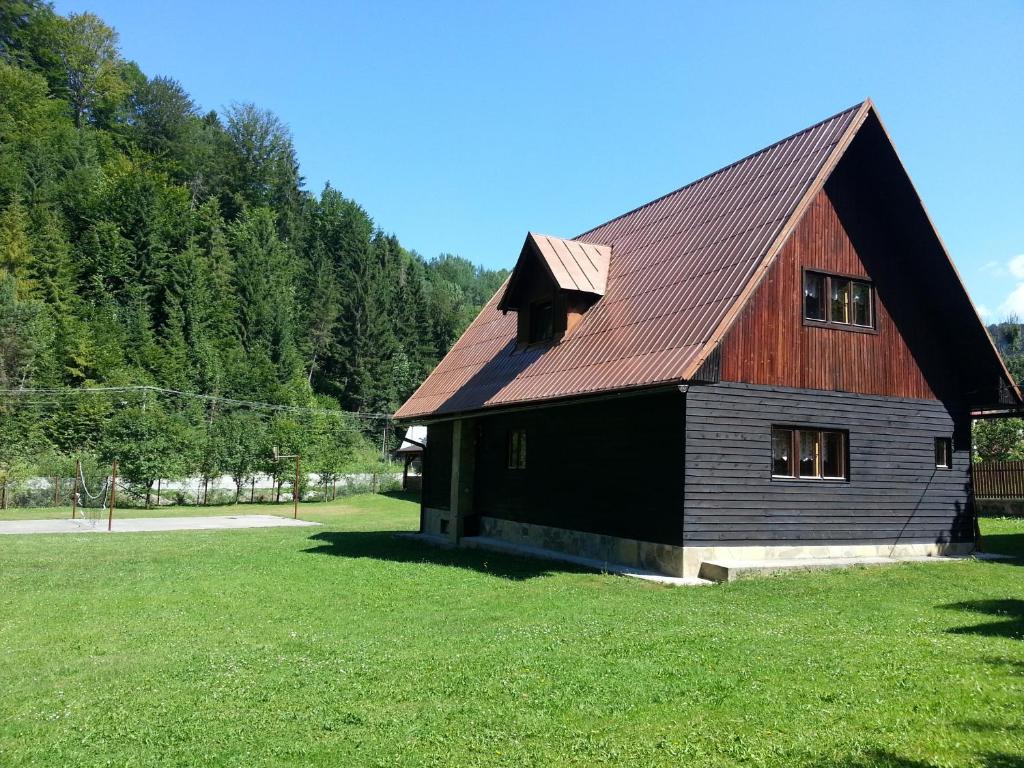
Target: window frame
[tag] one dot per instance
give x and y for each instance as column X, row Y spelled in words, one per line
column 795, row 451
column 947, row 445
column 516, row 449
column 828, row 322
column 532, row 324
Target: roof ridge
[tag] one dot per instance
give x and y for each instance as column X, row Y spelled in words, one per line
column 724, row 168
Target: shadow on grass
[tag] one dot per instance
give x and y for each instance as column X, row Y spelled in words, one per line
column 384, row 545
column 1005, row 544
column 884, row 759
column 1009, row 615
column 403, row 495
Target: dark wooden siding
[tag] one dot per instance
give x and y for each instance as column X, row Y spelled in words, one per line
column 894, row 491
column 437, row 466
column 613, row 466
column 769, row 344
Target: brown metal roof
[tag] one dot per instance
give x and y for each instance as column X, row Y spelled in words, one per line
column 679, row 270
column 575, row 265
column 572, row 264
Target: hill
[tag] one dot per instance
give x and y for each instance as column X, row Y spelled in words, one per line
column 145, row 242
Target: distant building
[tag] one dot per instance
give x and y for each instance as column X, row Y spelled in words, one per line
column 411, row 452
column 776, row 360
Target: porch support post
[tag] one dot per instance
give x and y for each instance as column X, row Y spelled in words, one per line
column 463, row 460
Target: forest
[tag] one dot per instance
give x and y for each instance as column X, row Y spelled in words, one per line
column 170, row 293
column 1003, row 439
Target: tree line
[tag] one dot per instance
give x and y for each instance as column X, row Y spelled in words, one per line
column 146, row 242
column 1003, row 439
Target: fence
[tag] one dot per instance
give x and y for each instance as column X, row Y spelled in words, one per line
column 93, row 490
column 998, row 479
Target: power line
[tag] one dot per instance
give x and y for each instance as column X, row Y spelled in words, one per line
column 251, row 404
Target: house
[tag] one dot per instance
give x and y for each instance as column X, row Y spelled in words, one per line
column 411, row 450
column 777, row 360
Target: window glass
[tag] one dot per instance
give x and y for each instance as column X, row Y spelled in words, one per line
column 782, row 452
column 833, row 462
column 840, row 300
column 861, row 299
column 517, row 449
column 542, row 321
column 943, row 452
column 809, row 454
column 814, row 296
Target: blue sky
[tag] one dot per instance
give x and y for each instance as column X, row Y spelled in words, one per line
column 460, row 126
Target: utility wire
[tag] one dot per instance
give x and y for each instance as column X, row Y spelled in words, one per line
column 252, row 404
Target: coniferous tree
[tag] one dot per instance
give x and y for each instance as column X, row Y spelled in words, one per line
column 145, row 243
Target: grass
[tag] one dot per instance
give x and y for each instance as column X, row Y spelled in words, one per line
column 345, row 646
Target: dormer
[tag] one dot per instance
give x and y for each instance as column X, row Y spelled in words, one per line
column 554, row 283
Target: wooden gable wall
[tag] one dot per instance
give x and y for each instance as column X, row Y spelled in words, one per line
column 770, row 344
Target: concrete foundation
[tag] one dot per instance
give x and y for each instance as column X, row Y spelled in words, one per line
column 439, row 522
column 697, row 560
column 643, row 555
column 686, row 562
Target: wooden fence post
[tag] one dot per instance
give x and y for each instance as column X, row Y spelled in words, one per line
column 113, row 498
column 74, row 489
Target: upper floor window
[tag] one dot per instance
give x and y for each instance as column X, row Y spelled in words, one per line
column 542, row 321
column 813, row 454
column 837, row 300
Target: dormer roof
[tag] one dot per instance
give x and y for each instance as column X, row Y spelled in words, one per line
column 572, row 265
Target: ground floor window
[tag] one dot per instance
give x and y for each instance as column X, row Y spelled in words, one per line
column 813, row 454
column 943, row 453
column 517, row 449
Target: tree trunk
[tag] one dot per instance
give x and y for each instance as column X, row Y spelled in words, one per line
column 277, row 495
column 158, row 481
column 206, row 490
column 252, row 492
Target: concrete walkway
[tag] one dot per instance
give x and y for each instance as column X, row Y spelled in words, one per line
column 732, row 570
column 139, row 524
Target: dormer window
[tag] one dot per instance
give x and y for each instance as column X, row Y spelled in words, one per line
column 553, row 284
column 542, row 322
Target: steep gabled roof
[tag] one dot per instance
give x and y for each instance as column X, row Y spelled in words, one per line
column 681, row 268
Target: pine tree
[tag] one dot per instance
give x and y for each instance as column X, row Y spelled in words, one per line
column 15, row 247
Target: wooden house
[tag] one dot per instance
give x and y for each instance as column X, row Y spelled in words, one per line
column 777, row 360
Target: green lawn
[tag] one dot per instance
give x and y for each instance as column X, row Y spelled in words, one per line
column 343, row 646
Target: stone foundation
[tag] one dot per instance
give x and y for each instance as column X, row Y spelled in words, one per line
column 439, row 522
column 686, row 561
column 645, row 555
